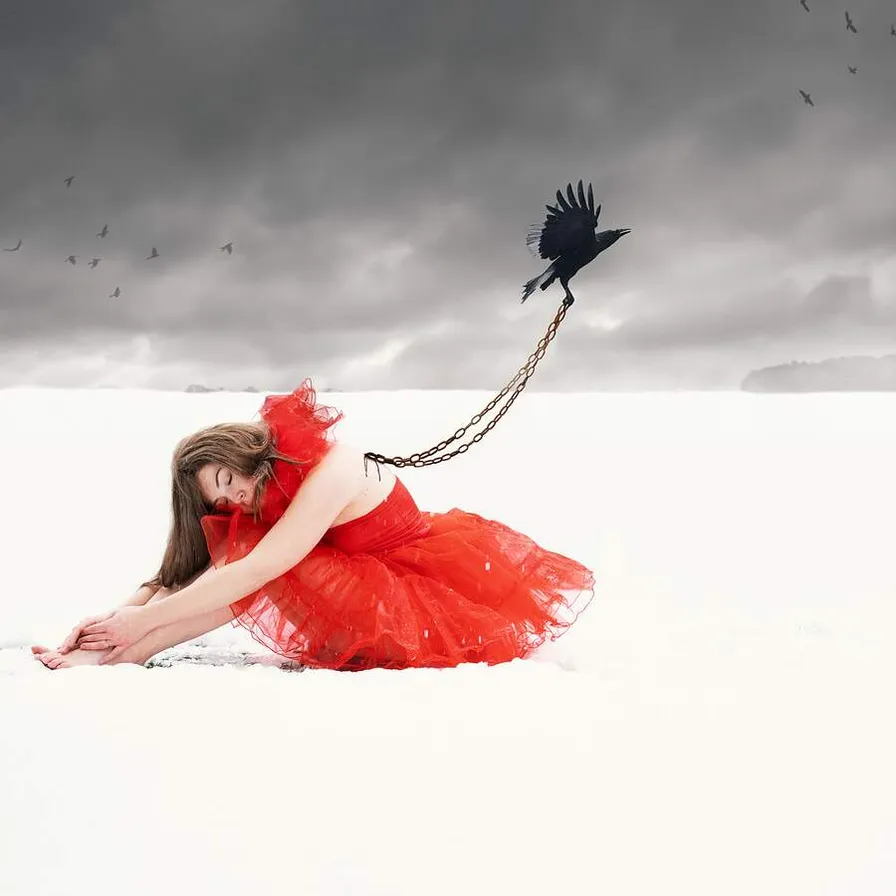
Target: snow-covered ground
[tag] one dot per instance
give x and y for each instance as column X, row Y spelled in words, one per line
column 719, row 722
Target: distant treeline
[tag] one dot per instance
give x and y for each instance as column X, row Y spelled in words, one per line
column 848, row 374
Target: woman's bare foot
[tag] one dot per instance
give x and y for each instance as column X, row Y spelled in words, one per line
column 53, row 659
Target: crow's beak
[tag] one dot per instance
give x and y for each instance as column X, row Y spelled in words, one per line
column 624, row 230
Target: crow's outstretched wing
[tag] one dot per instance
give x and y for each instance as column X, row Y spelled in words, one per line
column 567, row 227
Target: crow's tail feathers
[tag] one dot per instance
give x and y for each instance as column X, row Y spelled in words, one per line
column 543, row 281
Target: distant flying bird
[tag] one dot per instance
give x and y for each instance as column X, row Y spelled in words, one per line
column 804, row 5
column 15, row 248
column 893, row 30
column 68, row 180
column 852, row 69
column 115, row 294
column 849, row 24
column 228, row 248
column 94, row 262
column 71, row 259
column 568, row 237
column 153, row 254
column 104, row 231
column 807, row 98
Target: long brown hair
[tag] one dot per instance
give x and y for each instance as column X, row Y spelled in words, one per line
column 247, row 448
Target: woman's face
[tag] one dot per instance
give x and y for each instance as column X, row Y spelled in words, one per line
column 221, row 486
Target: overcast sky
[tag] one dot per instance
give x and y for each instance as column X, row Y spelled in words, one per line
column 378, row 164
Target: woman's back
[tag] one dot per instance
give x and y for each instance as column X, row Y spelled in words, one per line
column 377, row 487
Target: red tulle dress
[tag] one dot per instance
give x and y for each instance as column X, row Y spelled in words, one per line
column 397, row 587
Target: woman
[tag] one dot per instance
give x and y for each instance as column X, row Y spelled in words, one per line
column 281, row 529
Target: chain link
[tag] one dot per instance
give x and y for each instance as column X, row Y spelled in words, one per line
column 425, row 458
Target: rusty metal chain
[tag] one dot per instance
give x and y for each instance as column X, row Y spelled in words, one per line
column 425, row 458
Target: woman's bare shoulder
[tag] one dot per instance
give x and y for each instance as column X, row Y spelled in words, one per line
column 350, row 461
column 374, row 481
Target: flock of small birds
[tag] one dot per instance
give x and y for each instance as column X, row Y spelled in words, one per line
column 102, row 234
column 851, row 27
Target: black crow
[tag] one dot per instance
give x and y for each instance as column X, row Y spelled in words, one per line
column 570, row 239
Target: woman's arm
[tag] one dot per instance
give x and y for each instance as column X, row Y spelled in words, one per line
column 333, row 483
column 146, row 592
column 141, row 596
column 137, row 599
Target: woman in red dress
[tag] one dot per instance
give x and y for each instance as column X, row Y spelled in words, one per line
column 328, row 561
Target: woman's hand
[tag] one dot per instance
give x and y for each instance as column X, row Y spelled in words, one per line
column 71, row 642
column 119, row 630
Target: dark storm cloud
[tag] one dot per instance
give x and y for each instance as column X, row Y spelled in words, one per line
column 377, row 166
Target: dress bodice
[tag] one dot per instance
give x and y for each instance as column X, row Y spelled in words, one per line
column 392, row 522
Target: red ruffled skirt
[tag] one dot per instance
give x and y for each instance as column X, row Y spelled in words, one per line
column 400, row 588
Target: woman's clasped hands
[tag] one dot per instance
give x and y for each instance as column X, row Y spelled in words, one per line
column 117, row 629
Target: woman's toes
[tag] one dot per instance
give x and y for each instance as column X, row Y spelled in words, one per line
column 55, row 659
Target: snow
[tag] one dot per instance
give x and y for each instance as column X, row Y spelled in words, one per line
column 718, row 721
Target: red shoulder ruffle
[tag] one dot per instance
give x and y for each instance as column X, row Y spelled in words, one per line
column 300, row 427
column 299, row 423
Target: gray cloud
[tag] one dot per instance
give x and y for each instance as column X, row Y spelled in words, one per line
column 784, row 313
column 377, row 166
